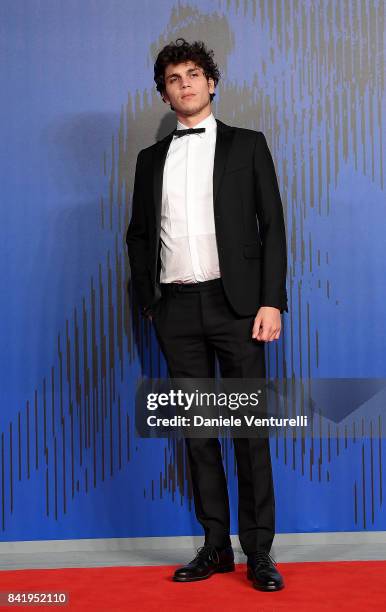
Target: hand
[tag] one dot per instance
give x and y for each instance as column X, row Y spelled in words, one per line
column 267, row 325
column 147, row 313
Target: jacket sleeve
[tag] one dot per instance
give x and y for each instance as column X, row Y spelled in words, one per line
column 137, row 239
column 270, row 216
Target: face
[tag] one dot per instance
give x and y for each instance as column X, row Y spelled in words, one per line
column 187, row 88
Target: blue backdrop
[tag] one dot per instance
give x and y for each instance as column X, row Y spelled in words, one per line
column 77, row 103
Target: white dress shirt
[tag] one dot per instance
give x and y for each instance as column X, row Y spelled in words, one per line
column 188, row 238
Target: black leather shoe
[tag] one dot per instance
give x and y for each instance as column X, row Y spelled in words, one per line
column 208, row 561
column 261, row 570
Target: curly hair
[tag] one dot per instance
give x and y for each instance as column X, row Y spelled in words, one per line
column 182, row 51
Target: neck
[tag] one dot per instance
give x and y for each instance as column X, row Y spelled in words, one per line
column 192, row 120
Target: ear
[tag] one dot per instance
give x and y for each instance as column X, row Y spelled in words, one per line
column 165, row 98
column 211, row 85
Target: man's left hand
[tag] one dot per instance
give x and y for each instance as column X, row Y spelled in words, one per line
column 267, row 325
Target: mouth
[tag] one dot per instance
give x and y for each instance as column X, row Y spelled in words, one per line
column 187, row 96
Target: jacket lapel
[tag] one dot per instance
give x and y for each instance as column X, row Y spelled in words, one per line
column 224, row 140
column 158, row 171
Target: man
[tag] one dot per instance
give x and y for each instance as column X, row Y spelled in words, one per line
column 207, row 251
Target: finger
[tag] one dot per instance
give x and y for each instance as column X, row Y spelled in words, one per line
column 273, row 334
column 256, row 328
column 264, row 334
column 261, row 333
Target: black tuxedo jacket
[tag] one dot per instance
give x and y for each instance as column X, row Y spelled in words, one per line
column 249, row 221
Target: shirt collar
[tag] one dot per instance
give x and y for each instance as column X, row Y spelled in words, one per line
column 209, row 123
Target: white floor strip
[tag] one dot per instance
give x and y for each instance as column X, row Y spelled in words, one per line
column 179, row 550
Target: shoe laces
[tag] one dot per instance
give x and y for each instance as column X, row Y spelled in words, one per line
column 208, row 551
column 262, row 558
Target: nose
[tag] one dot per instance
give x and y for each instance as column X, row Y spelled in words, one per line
column 185, row 82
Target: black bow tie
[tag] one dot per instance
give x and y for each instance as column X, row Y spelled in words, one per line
column 179, row 133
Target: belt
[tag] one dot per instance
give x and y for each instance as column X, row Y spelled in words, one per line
column 173, row 288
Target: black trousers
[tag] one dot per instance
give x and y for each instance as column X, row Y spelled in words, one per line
column 193, row 323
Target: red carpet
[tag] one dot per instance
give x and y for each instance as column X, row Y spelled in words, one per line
column 343, row 585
